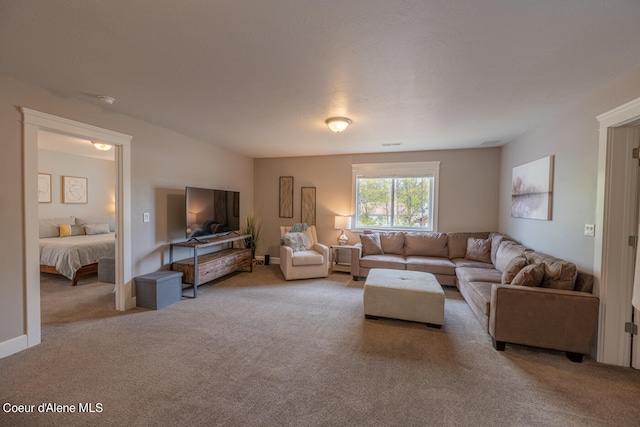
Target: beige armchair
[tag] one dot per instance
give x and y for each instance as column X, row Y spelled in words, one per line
column 304, row 264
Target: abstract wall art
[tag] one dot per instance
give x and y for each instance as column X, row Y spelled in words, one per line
column 532, row 190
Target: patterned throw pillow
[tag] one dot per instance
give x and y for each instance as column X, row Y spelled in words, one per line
column 530, row 275
column 297, row 241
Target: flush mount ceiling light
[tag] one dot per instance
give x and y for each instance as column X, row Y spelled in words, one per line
column 338, row 124
column 106, row 99
column 102, row 146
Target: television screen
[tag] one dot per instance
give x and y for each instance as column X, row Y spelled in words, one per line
column 211, row 212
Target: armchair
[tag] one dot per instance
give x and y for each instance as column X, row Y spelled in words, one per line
column 304, row 264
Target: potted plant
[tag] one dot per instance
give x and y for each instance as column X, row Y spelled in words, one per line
column 252, row 227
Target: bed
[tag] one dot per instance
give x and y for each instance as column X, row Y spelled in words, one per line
column 77, row 254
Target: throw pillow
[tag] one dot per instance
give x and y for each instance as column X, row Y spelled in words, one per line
column 530, row 275
column 96, row 229
column 371, row 244
column 297, row 241
column 65, row 230
column 513, row 268
column 478, row 250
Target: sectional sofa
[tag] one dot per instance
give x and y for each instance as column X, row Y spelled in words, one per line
column 519, row 295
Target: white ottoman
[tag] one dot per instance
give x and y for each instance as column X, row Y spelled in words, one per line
column 403, row 294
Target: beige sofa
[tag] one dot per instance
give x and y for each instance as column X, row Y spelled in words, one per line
column 519, row 295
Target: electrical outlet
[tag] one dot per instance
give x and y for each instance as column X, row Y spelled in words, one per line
column 145, row 217
column 589, row 230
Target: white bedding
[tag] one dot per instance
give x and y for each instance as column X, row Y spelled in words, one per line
column 68, row 254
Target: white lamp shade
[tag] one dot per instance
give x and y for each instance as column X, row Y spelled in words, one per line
column 342, row 222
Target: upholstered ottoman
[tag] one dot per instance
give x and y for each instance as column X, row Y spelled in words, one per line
column 404, row 294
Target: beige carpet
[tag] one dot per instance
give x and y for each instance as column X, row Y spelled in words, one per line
column 254, row 350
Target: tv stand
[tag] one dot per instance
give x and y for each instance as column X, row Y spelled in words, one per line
column 204, row 268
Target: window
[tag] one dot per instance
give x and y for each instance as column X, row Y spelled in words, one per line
column 396, row 195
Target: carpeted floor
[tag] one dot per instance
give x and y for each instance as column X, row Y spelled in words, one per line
column 255, row 350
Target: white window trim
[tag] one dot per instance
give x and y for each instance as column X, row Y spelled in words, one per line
column 396, row 169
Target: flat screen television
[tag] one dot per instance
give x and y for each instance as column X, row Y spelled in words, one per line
column 211, row 212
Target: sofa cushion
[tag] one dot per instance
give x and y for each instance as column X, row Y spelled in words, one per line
column 558, row 273
column 461, row 262
column 431, row 265
column 426, row 244
column 473, row 274
column 478, row 250
column 383, row 261
column 506, row 252
column 392, row 242
column 457, row 243
column 480, row 295
column 496, row 239
column 371, row 244
column 530, row 275
column 515, row 265
column 307, row 258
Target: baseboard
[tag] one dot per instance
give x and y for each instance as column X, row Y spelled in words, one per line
column 14, row 345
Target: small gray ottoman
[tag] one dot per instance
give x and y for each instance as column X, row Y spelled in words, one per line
column 107, row 270
column 159, row 289
column 403, row 294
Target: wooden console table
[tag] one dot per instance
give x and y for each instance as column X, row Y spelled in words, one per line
column 204, row 268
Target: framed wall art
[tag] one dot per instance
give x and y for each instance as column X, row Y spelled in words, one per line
column 532, row 190
column 74, row 189
column 308, row 205
column 286, row 197
column 44, row 188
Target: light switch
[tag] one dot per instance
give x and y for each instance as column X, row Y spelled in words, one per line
column 589, row 230
column 145, row 217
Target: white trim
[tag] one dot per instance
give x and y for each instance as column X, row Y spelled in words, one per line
column 33, row 122
column 13, row 345
column 613, row 344
column 397, row 169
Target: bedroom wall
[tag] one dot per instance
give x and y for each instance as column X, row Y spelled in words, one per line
column 572, row 138
column 101, row 181
column 162, row 164
column 468, row 190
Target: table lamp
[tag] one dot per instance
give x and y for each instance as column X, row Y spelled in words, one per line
column 342, row 223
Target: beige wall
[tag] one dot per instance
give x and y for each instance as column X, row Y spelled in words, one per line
column 101, row 183
column 468, row 190
column 162, row 164
column 573, row 139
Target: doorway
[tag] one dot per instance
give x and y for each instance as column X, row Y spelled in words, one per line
column 33, row 123
column 616, row 225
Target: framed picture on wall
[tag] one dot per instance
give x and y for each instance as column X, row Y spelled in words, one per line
column 286, row 197
column 74, row 189
column 532, row 190
column 308, row 207
column 44, row 188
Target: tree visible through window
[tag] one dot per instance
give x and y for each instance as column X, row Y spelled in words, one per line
column 395, row 201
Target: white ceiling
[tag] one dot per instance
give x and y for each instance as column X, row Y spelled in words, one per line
column 260, row 77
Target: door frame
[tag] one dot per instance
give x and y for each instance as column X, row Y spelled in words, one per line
column 33, row 123
column 613, row 286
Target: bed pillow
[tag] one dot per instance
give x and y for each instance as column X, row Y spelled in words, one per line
column 104, row 219
column 49, row 227
column 65, row 230
column 91, row 229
